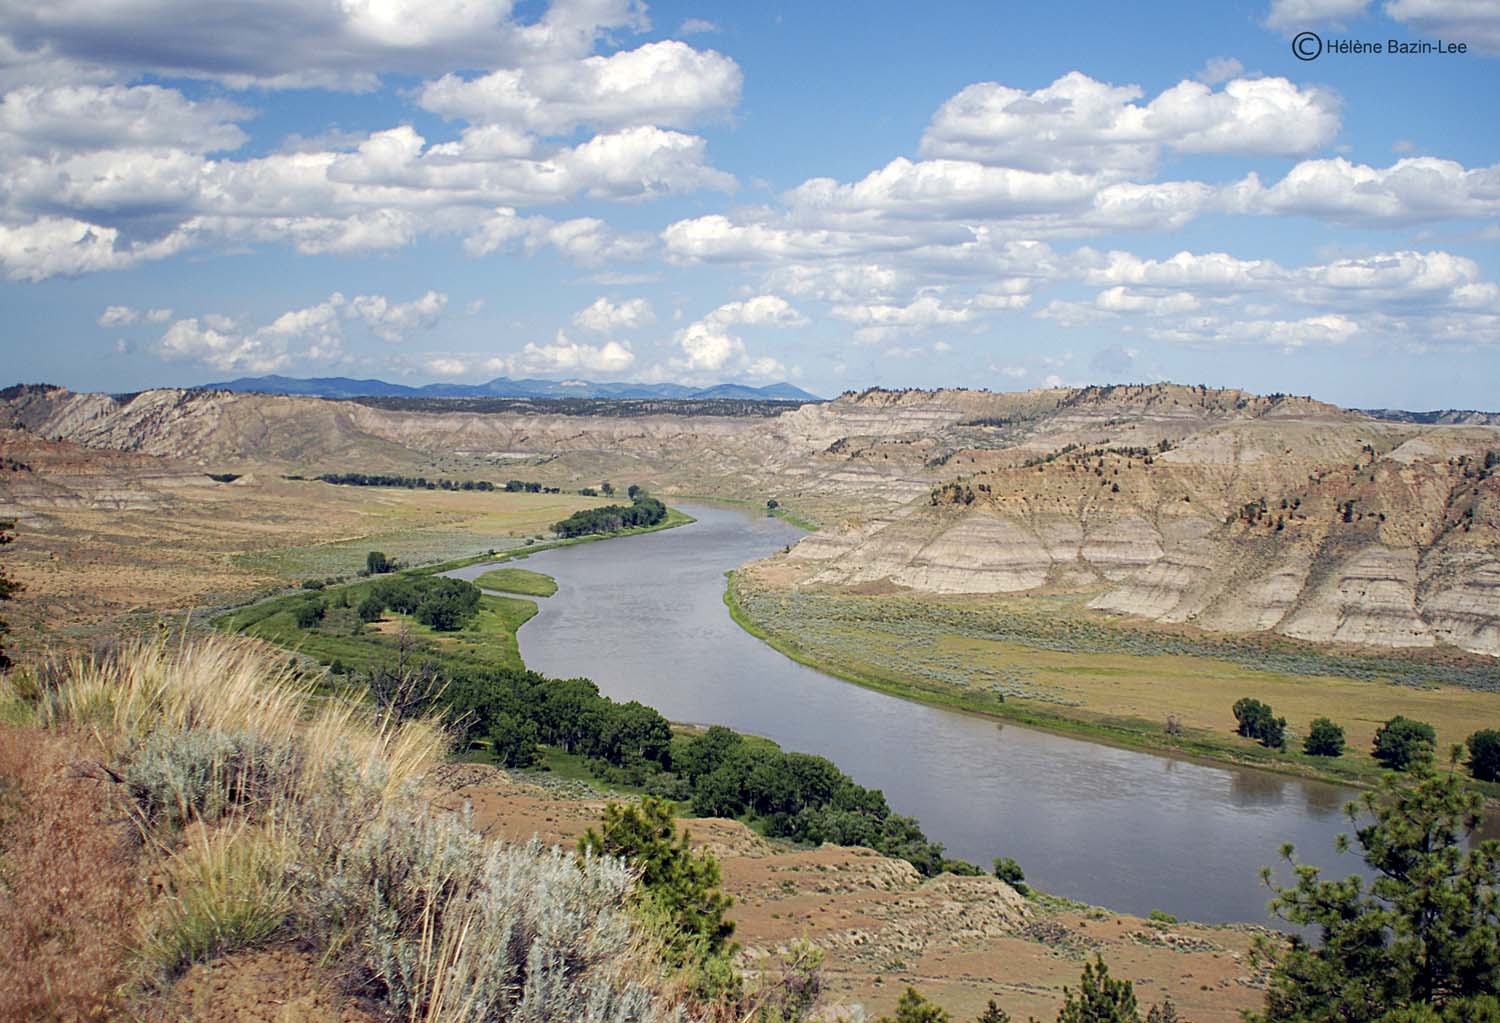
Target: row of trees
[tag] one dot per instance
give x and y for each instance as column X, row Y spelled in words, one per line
column 643, row 510
column 1399, row 744
column 364, row 479
column 800, row 796
column 720, row 773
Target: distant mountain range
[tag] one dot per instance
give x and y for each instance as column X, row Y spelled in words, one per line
column 504, row 387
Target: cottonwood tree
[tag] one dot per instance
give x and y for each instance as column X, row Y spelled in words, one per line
column 1324, row 739
column 1484, row 754
column 1402, row 742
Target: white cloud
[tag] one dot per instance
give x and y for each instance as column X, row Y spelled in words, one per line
column 47, row 120
column 1219, row 69
column 1414, row 190
column 606, row 317
column 313, row 334
column 1296, row 15
column 52, row 246
column 585, row 240
column 667, row 84
column 1476, row 22
column 395, row 321
column 1123, row 300
column 710, row 346
column 294, row 44
column 1080, row 124
column 124, row 315
column 445, row 366
column 1328, row 329
column 879, row 322
column 697, row 26
column 566, row 356
column 118, row 316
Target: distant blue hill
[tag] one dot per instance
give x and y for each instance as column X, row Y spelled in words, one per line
column 503, row 387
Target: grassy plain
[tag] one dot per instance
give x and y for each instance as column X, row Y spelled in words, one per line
column 1046, row 662
column 518, row 580
column 205, row 545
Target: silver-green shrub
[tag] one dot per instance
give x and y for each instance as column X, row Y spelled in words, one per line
column 176, row 776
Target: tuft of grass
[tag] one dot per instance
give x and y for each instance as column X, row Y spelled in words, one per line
column 229, row 890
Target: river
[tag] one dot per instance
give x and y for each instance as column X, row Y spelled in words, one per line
column 643, row 616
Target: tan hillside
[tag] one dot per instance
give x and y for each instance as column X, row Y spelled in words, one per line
column 1226, row 510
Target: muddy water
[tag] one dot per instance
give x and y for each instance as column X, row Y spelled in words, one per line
column 643, row 617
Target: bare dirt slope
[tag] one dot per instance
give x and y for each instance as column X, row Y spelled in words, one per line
column 959, row 940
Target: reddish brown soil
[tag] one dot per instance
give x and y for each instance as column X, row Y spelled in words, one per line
column 960, row 941
column 278, row 985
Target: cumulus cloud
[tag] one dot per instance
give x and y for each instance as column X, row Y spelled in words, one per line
column 384, row 194
column 1327, row 329
column 667, row 84
column 312, row 334
column 1080, row 124
column 49, row 120
column 293, row 44
column 1473, row 21
column 585, row 240
column 124, row 315
column 395, row 321
column 606, row 317
column 712, row 346
column 1296, row 15
column 99, row 173
column 563, row 355
column 1219, row 69
column 1414, row 190
column 882, row 321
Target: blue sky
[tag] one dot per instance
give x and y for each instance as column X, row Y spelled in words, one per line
column 995, row 195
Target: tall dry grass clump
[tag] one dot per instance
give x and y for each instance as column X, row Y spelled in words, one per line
column 273, row 814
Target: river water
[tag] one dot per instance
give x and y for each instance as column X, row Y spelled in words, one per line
column 643, row 616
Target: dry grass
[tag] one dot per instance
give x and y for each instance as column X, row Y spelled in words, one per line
column 209, row 544
column 71, row 884
column 271, row 816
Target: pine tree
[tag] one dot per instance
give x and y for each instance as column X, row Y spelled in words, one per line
column 1100, row 998
column 1421, row 942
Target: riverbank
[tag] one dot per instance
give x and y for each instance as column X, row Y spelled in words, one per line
column 1117, row 698
column 962, row 941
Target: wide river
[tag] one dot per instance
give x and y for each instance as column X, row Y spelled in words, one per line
column 644, row 617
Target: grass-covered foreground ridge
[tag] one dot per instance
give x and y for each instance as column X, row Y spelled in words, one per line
column 271, row 816
column 1046, row 662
